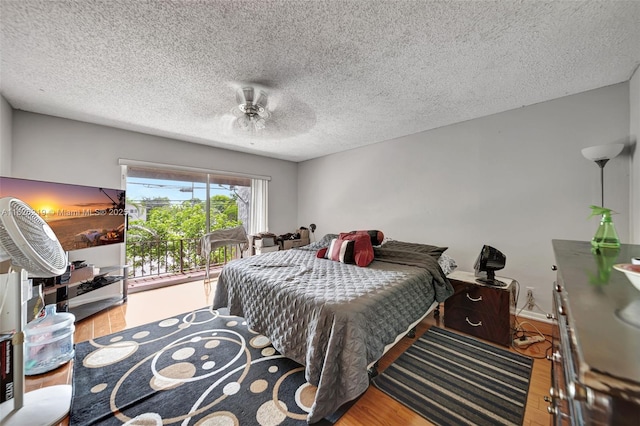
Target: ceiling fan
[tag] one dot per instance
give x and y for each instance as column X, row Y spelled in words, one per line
column 251, row 112
column 263, row 111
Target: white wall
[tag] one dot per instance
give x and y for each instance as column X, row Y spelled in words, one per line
column 61, row 150
column 514, row 180
column 634, row 131
column 6, row 114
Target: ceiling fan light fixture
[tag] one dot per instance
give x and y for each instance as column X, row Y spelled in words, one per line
column 251, row 123
column 251, row 109
column 252, row 104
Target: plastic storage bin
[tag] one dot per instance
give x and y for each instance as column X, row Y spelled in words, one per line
column 48, row 341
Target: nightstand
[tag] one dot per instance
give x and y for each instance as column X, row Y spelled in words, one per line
column 486, row 312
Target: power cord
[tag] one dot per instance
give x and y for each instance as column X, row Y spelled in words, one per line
column 523, row 339
column 522, row 349
column 520, row 333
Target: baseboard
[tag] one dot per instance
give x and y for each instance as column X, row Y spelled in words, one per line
column 537, row 316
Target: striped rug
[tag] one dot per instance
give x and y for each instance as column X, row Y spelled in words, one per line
column 451, row 379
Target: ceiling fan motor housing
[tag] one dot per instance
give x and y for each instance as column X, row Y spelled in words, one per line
column 252, row 101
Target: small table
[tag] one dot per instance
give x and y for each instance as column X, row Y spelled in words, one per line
column 484, row 311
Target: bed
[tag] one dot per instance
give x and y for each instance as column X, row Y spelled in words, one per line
column 336, row 319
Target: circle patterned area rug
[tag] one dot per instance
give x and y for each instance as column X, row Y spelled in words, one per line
column 199, row 368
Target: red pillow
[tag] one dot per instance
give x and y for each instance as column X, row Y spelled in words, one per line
column 363, row 250
column 340, row 250
column 376, row 236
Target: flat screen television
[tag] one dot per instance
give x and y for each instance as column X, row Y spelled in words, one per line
column 80, row 216
column 489, row 260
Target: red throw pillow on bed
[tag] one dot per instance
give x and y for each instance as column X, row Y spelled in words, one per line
column 377, row 237
column 340, row 250
column 363, row 250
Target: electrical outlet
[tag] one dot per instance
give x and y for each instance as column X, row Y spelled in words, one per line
column 531, row 300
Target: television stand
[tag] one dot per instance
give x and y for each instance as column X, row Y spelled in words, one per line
column 83, row 281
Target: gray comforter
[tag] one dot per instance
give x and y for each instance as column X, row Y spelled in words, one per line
column 333, row 318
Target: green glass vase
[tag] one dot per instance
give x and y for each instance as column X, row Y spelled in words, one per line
column 606, row 235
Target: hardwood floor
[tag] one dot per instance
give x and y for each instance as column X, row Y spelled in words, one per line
column 373, row 408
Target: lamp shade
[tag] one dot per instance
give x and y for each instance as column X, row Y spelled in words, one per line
column 603, row 152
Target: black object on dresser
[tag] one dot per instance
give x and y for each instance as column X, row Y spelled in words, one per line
column 483, row 311
column 595, row 369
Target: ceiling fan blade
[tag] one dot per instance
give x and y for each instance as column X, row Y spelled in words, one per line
column 265, row 114
column 236, row 112
column 226, row 124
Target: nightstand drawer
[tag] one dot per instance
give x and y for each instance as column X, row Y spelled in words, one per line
column 482, row 311
column 473, row 296
column 487, row 325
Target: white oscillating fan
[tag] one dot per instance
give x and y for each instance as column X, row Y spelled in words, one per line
column 34, row 251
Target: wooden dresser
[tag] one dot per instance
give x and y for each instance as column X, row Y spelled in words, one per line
column 483, row 311
column 595, row 370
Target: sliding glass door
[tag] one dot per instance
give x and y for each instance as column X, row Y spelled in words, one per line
column 170, row 210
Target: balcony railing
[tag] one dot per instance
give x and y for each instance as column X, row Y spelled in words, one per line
column 181, row 256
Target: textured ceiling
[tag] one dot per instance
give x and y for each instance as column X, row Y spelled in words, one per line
column 339, row 74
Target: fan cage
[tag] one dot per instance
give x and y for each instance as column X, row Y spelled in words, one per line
column 49, row 260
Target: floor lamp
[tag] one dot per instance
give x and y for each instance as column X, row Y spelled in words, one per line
column 601, row 154
column 606, row 236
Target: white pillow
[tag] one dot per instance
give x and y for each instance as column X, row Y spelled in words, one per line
column 447, row 263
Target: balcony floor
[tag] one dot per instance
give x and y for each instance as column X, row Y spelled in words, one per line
column 151, row 282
